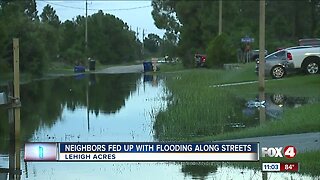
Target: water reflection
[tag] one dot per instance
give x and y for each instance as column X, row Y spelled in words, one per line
column 276, row 104
column 12, row 170
column 115, row 108
column 12, row 106
column 153, row 79
column 199, row 170
column 262, row 109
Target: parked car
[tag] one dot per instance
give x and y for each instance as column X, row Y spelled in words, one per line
column 280, row 63
column 200, row 60
column 255, row 54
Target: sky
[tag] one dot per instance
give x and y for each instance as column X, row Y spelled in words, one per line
column 136, row 14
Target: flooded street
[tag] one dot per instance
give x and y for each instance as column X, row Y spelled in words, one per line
column 112, row 108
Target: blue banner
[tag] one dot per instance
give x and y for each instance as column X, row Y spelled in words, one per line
column 157, row 147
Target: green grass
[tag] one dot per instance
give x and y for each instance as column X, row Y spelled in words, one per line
column 300, row 120
column 199, row 111
column 169, row 67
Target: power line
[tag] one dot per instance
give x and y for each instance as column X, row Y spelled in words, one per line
column 120, row 9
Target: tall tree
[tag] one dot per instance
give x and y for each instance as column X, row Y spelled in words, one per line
column 196, row 22
column 49, row 16
column 19, row 24
column 152, row 43
column 50, row 31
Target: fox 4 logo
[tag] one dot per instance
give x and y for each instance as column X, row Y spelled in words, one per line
column 288, row 151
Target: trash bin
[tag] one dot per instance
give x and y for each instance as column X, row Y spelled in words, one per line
column 92, row 64
column 144, row 66
column 147, row 66
column 78, row 69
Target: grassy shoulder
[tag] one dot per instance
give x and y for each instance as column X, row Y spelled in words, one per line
column 300, row 120
column 199, row 111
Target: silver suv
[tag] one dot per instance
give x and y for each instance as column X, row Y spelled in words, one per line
column 279, row 63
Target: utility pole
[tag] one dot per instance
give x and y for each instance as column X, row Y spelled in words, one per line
column 86, row 31
column 137, row 33
column 220, row 17
column 142, row 42
column 262, row 46
column 262, row 66
column 16, row 103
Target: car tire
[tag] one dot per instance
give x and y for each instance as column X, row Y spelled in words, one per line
column 278, row 99
column 312, row 67
column 278, row 72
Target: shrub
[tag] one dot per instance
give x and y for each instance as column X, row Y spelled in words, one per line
column 220, row 51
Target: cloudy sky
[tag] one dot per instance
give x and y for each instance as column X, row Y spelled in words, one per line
column 136, row 14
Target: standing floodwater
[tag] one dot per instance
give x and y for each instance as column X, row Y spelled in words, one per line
column 100, row 108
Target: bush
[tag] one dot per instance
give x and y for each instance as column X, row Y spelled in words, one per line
column 220, row 51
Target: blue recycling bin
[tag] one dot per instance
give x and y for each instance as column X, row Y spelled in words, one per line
column 78, row 69
column 147, row 66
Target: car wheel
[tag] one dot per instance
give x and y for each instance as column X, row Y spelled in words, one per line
column 277, row 72
column 278, row 99
column 312, row 67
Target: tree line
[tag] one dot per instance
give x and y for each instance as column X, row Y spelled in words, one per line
column 194, row 24
column 44, row 39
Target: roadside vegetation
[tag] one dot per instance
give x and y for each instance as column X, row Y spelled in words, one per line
column 200, row 111
column 194, row 26
column 46, row 42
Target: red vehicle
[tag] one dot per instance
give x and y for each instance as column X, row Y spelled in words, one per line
column 200, row 60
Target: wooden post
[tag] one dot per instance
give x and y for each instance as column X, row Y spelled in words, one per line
column 262, row 46
column 262, row 110
column 88, row 113
column 264, row 175
column 16, row 93
column 86, row 31
column 16, row 85
column 220, row 17
column 262, row 65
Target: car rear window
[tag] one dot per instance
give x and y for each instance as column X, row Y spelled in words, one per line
column 277, row 55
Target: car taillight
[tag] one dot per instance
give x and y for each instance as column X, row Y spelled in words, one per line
column 289, row 56
column 203, row 59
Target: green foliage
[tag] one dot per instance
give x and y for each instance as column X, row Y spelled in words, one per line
column 152, row 43
column 49, row 16
column 45, row 40
column 49, row 32
column 193, row 97
column 196, row 22
column 220, row 51
column 32, row 56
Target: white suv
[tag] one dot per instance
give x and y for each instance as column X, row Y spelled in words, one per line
column 281, row 62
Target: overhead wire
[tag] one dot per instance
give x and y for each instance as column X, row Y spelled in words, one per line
column 91, row 9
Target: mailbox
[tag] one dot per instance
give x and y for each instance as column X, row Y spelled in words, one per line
column 3, row 98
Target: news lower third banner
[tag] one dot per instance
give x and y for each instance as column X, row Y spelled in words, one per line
column 141, row 151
